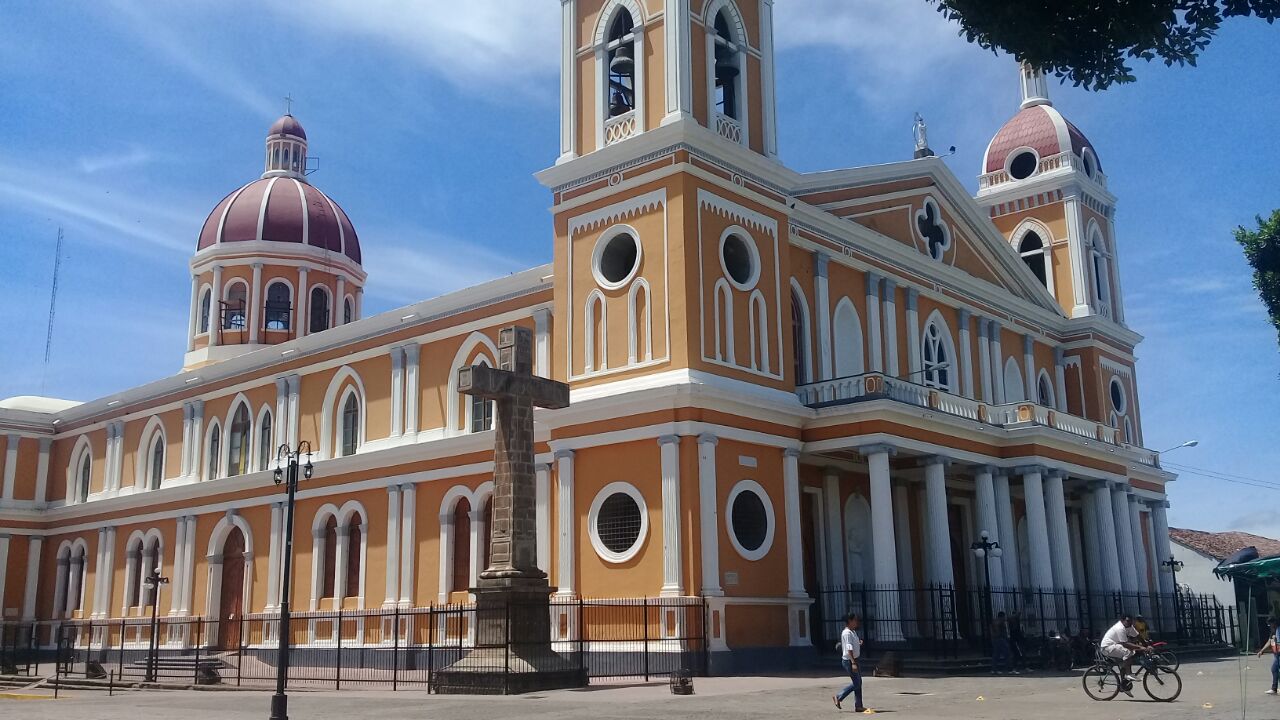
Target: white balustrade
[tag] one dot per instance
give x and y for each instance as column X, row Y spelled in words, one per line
column 728, row 128
column 617, row 129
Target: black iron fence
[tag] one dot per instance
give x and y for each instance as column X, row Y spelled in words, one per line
column 947, row 621
column 387, row 648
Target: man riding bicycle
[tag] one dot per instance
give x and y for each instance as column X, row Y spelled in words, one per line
column 1120, row 644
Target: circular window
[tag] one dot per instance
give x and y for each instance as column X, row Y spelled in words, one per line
column 1023, row 165
column 1117, row 396
column 740, row 260
column 618, row 522
column 750, row 520
column 1090, row 162
column 616, row 259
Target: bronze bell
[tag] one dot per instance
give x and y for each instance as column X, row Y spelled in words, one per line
column 726, row 67
column 622, row 63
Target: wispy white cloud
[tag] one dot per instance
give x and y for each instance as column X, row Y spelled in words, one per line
column 433, row 264
column 136, row 155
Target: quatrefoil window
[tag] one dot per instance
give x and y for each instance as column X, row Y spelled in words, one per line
column 932, row 229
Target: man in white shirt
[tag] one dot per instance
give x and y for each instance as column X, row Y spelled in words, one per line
column 1119, row 645
column 850, row 651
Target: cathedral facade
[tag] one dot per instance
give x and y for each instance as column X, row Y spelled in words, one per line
column 782, row 383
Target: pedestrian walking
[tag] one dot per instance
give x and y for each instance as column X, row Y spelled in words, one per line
column 1000, row 655
column 850, row 652
column 1273, row 644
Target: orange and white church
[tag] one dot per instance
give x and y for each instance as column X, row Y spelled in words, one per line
column 781, row 382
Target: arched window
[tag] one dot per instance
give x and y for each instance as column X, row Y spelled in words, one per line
column 238, row 442
column 348, row 312
column 798, row 339
column 461, row 577
column 937, row 357
column 1015, row 388
column 82, row 485
column 151, row 558
column 620, row 58
column 206, row 301
column 279, row 307
column 234, row 308
column 1101, row 274
column 481, row 414
column 1044, row 391
column 134, row 574
column 354, row 543
column 1032, row 250
column 319, row 310
column 215, row 452
column 329, row 568
column 157, row 462
column 350, row 425
column 266, row 445
column 846, row 336
column 726, row 71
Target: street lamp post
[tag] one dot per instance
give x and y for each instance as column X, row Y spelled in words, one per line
column 289, row 475
column 1174, row 565
column 154, row 581
column 984, row 549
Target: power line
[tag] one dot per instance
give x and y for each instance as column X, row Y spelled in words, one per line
column 1258, row 484
column 53, row 300
column 1193, row 468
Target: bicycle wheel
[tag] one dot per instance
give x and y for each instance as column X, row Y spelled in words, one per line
column 1163, row 684
column 1168, row 659
column 1101, row 682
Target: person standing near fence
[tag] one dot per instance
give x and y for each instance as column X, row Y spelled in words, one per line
column 1273, row 644
column 1000, row 654
column 850, row 652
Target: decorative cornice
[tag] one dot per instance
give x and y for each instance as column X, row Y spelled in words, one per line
column 738, row 213
column 618, row 212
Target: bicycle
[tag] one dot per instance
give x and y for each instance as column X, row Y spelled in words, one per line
column 1165, row 657
column 1103, row 681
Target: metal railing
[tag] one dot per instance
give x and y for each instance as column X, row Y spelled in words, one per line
column 387, row 648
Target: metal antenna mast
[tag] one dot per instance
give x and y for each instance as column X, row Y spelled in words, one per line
column 53, row 303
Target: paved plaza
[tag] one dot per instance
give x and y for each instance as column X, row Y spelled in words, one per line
column 1211, row 690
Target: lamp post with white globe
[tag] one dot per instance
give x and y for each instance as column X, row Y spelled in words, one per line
column 985, row 549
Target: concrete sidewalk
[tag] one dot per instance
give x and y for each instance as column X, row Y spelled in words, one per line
column 1210, row 690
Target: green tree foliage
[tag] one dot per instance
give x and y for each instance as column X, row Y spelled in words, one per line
column 1262, row 250
column 1091, row 41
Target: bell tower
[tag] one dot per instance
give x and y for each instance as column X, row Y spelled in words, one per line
column 632, row 66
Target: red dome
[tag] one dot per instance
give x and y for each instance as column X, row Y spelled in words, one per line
column 1041, row 128
column 287, row 125
column 281, row 209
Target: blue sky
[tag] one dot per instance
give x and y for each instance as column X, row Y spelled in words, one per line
column 125, row 122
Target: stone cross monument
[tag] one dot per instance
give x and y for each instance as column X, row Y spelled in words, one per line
column 513, row 635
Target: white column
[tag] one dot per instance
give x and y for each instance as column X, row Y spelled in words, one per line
column 10, row 474
column 822, row 313
column 411, row 353
column 542, row 342
column 341, row 561
column 1060, row 378
column 187, row 414
column 255, row 306
column 359, row 303
column 566, row 517
column 340, row 305
column 678, row 63
column 890, row 316
column 669, row 447
column 1041, row 560
column 902, row 528
column 568, row 80
column 34, row 545
column 4, row 568
column 1079, row 258
column 1108, row 538
column 937, row 527
column 408, row 542
column 193, row 322
column 319, row 548
column 1124, row 538
column 179, row 565
column 709, row 515
column 1029, row 367
column 1091, row 541
column 42, row 470
column 791, row 507
column 914, row 365
column 215, row 317
column 197, row 437
column 392, row 594
column 1008, row 533
column 280, row 424
column 109, row 451
column 875, row 349
column 542, row 480
column 1160, row 527
column 295, row 420
column 273, row 559
column 397, row 391
column 984, row 361
column 883, row 546
column 189, row 565
column 1141, row 579
column 107, row 569
column 997, row 364
column 836, row 576
column 1059, row 537
column 447, row 550
column 966, row 354
column 302, row 323
column 984, row 483
column 770, row 100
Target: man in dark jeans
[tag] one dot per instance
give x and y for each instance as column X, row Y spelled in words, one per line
column 1015, row 641
column 850, row 651
column 1000, row 645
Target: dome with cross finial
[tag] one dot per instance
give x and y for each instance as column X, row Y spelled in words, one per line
column 1037, row 139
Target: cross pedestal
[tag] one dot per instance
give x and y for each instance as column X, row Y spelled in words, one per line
column 513, row 612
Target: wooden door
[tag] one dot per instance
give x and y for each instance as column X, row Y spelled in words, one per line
column 231, row 600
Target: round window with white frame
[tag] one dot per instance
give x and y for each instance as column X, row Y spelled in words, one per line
column 1023, row 163
column 1090, row 162
column 616, row 258
column 750, row 519
column 618, row 522
column 1119, row 401
column 739, row 259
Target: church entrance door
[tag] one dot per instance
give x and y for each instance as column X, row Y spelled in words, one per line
column 231, row 598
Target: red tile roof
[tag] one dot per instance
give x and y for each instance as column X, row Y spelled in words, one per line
column 1222, row 545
